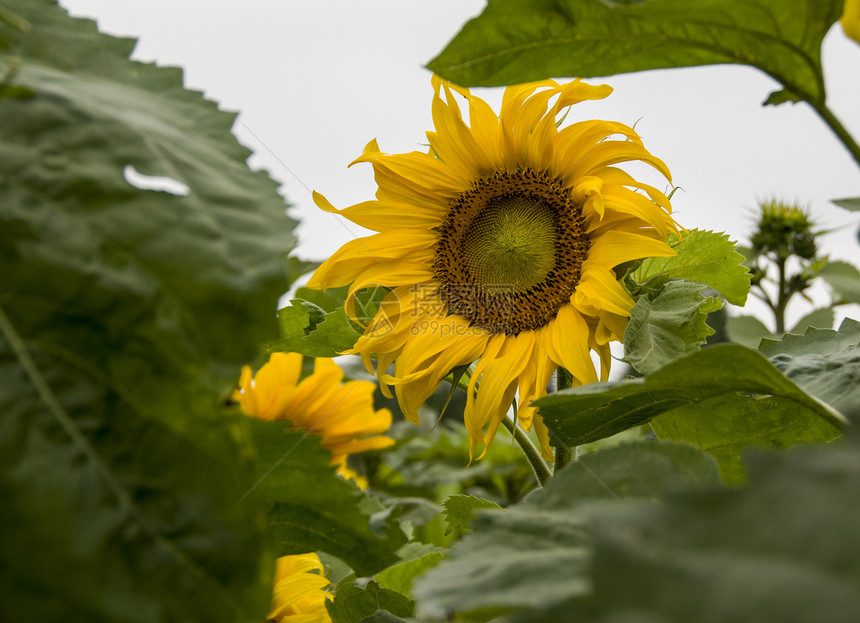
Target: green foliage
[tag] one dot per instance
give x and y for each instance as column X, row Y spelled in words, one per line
column 781, row 550
column 536, row 554
column 844, row 279
column 461, row 509
column 703, row 256
column 125, row 315
column 817, row 319
column 435, row 464
column 666, row 324
column 324, row 335
column 668, row 320
column 852, row 204
column 513, row 42
column 694, row 383
column 727, row 425
column 354, row 604
column 317, row 325
column 312, row 509
column 825, row 363
column 399, row 577
column 747, row 330
column 643, row 532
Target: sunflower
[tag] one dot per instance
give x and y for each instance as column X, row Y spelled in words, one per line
column 342, row 414
column 298, row 595
column 499, row 246
column 851, row 19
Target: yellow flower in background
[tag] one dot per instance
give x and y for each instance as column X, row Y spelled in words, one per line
column 298, row 595
column 499, row 246
column 851, row 19
column 342, row 414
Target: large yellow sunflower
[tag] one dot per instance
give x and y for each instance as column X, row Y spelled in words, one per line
column 499, row 246
column 299, row 595
column 342, row 414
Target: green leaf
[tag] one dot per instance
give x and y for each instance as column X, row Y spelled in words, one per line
column 319, row 326
column 844, row 278
column 748, row 331
column 726, row 426
column 313, row 509
column 817, row 319
column 327, row 300
column 584, row 414
column 782, row 550
column 126, row 316
column 852, row 204
column 666, row 324
column 513, row 42
column 642, row 469
column 461, row 509
column 399, row 577
column 353, row 604
column 324, row 336
column 109, row 515
column 824, row 362
column 703, row 256
column 536, row 553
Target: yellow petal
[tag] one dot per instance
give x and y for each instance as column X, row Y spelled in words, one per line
column 567, row 344
column 616, row 247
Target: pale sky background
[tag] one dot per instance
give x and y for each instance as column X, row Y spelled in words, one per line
column 313, row 81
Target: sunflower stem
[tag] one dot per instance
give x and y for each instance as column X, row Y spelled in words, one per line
column 563, row 454
column 782, row 298
column 539, row 467
column 838, row 129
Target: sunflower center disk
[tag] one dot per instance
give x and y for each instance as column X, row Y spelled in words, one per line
column 510, row 251
column 511, row 243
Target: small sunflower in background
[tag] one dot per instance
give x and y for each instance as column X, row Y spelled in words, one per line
column 851, row 19
column 499, row 246
column 299, row 595
column 342, row 414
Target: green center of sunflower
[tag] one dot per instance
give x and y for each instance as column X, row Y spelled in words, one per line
column 512, row 241
column 510, row 251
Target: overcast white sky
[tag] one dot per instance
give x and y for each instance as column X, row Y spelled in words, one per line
column 315, row 80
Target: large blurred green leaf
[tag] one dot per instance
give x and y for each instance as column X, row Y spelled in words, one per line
column 584, row 414
column 785, row 549
column 513, row 42
column 313, row 509
column 536, row 553
column 823, row 362
column 641, row 533
column 126, row 314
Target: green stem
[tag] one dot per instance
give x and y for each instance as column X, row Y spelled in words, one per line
column 563, row 455
column 782, row 299
column 541, row 471
column 838, row 129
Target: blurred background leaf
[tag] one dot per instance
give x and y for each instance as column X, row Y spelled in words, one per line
column 313, row 509
column 536, row 553
column 143, row 261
